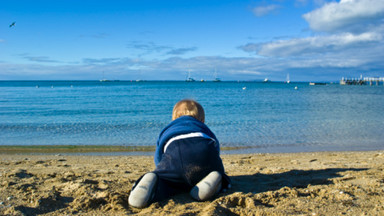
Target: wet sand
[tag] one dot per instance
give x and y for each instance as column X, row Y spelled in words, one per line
column 321, row 183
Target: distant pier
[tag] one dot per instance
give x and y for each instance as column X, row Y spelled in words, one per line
column 362, row 81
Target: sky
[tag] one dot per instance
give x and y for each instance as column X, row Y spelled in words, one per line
column 311, row 40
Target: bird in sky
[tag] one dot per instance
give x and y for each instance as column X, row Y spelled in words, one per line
column 12, row 24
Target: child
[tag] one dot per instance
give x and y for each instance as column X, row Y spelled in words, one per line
column 187, row 157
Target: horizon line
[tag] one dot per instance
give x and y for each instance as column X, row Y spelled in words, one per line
column 142, row 80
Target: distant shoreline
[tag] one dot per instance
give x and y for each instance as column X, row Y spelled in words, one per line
column 19, row 149
column 135, row 81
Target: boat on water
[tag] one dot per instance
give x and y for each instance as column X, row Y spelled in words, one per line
column 266, row 80
column 316, row 83
column 216, row 79
column 288, row 80
column 189, row 78
column 104, row 80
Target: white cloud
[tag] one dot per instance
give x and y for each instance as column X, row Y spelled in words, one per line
column 128, row 68
column 176, row 68
column 101, row 61
column 330, row 53
column 181, row 51
column 314, row 45
column 346, row 15
column 349, row 37
column 264, row 10
column 148, row 48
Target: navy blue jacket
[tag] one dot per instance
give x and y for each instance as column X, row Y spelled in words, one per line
column 180, row 126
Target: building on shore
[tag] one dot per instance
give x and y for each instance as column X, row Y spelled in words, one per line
column 362, row 81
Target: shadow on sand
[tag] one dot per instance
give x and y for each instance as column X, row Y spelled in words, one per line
column 259, row 183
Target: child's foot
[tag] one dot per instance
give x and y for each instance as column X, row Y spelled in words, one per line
column 143, row 192
column 208, row 187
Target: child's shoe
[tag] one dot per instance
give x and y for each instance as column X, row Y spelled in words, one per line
column 143, row 192
column 208, row 187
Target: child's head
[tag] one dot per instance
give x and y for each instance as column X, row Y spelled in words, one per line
column 188, row 108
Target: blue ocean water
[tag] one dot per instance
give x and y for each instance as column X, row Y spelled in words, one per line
column 269, row 117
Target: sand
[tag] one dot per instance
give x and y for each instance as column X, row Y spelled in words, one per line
column 322, row 183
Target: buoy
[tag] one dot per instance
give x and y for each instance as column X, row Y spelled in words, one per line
column 296, row 88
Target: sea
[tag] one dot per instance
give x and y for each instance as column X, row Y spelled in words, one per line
column 257, row 117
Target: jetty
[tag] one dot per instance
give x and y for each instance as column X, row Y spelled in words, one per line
column 362, row 81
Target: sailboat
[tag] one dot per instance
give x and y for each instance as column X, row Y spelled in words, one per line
column 189, row 78
column 103, row 79
column 288, row 81
column 217, row 79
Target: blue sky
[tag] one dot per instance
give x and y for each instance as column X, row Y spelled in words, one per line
column 312, row 40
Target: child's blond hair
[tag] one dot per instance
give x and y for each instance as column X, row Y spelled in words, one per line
column 188, row 107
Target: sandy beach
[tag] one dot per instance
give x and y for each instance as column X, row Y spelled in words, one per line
column 321, row 183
